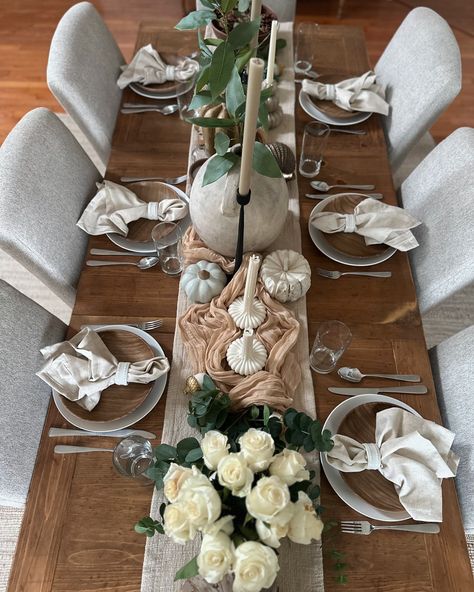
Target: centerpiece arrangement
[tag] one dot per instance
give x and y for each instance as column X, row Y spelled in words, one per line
column 243, row 488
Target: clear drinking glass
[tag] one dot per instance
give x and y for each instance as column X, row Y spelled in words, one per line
column 304, row 47
column 167, row 237
column 314, row 142
column 332, row 340
column 132, row 457
column 184, row 98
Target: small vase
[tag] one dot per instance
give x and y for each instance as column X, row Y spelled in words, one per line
column 199, row 584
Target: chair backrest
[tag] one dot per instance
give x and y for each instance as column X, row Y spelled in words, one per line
column 440, row 192
column 284, row 9
column 451, row 362
column 83, row 68
column 46, row 179
column 421, row 70
column 25, row 327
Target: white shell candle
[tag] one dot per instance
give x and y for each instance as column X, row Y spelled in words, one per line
column 272, row 53
column 250, row 125
column 246, row 355
column 247, row 311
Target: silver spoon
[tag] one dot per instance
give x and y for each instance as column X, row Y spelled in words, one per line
column 143, row 263
column 163, row 110
column 339, row 130
column 355, row 375
column 324, row 195
column 323, row 186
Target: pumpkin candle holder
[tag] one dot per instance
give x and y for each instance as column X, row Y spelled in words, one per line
column 247, row 311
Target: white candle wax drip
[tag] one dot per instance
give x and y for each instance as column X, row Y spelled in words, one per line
column 247, row 311
column 246, row 355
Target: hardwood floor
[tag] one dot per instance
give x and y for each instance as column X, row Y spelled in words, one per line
column 26, row 28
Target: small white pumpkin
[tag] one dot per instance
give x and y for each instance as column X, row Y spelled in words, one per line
column 202, row 281
column 286, row 275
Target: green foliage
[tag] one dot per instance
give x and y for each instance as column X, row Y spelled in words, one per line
column 302, row 431
column 339, row 566
column 218, row 166
column 208, row 407
column 187, row 571
column 148, row 526
column 235, row 94
column 195, row 19
column 264, row 162
column 221, row 143
column 243, row 33
column 222, row 64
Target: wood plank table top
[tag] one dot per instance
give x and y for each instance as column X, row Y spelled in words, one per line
column 77, row 534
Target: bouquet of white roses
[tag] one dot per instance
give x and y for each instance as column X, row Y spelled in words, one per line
column 243, row 494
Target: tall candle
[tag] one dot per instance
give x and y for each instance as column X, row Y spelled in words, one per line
column 272, row 52
column 250, row 126
column 251, row 282
column 255, row 12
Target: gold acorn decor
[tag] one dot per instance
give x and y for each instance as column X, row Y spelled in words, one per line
column 191, row 385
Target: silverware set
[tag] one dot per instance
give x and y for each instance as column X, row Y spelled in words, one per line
column 130, row 108
column 144, row 326
column 364, row 527
column 403, row 390
column 335, row 275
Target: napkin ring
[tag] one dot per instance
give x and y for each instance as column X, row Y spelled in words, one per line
column 153, row 212
column 374, row 458
column 350, row 223
column 121, row 375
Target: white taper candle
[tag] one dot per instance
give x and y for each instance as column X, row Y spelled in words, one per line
column 254, row 88
column 271, row 53
column 247, row 342
column 251, row 281
column 255, row 11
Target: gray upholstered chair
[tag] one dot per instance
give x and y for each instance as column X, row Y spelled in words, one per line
column 284, row 9
column 421, row 69
column 46, row 179
column 440, row 193
column 25, row 327
column 452, row 366
column 83, row 67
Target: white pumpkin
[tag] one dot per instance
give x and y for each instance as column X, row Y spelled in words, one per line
column 286, row 275
column 202, row 281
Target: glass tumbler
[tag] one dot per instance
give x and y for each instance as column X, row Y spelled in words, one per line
column 304, row 47
column 167, row 237
column 314, row 142
column 184, row 98
column 132, row 457
column 332, row 340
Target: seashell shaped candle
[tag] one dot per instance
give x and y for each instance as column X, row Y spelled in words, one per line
column 246, row 355
column 247, row 311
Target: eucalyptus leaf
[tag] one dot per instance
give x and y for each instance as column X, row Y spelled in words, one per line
column 213, row 41
column 228, row 5
column 185, row 446
column 266, row 414
column 221, row 143
column 164, row 452
column 221, row 68
column 243, row 5
column 243, row 33
column 195, row 19
column 212, row 122
column 264, row 162
column 201, row 99
column 187, row 571
column 263, row 116
column 208, row 4
column 218, row 166
column 194, row 455
column 234, row 94
column 203, row 77
column 207, row 383
column 243, row 58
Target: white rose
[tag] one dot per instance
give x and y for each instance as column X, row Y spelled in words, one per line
column 214, row 447
column 271, row 534
column 233, row 473
column 173, row 481
column 200, row 500
column 177, row 525
column 215, row 557
column 305, row 525
column 289, row 465
column 258, row 448
column 255, row 567
column 269, row 501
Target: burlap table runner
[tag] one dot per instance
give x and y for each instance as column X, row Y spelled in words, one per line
column 301, row 567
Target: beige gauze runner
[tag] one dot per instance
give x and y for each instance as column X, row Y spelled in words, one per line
column 301, row 567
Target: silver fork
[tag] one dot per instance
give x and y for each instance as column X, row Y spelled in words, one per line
column 170, row 181
column 364, row 527
column 335, row 275
column 145, row 326
column 324, row 195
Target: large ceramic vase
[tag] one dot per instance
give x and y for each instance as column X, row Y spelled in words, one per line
column 215, row 212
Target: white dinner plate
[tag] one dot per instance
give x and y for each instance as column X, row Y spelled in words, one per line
column 337, row 482
column 148, row 248
column 310, row 108
column 149, row 93
column 319, row 240
column 139, row 413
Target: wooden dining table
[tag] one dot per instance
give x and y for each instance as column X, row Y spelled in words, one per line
column 77, row 533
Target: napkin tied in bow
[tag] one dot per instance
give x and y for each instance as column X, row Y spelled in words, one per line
column 114, row 207
column 354, row 94
column 411, row 452
column 81, row 368
column 148, row 67
column 375, row 221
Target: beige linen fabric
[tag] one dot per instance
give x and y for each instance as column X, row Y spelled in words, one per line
column 354, row 94
column 147, row 67
column 301, row 567
column 375, row 221
column 114, row 207
column 81, row 368
column 411, row 452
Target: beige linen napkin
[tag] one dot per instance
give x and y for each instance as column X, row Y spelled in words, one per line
column 147, row 67
column 375, row 221
column 81, row 368
column 114, row 207
column 411, row 452
column 354, row 94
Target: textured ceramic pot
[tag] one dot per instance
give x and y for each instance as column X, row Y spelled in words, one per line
column 215, row 213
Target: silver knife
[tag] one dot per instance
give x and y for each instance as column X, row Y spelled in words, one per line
column 54, row 432
column 324, row 195
column 419, row 389
column 124, row 253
